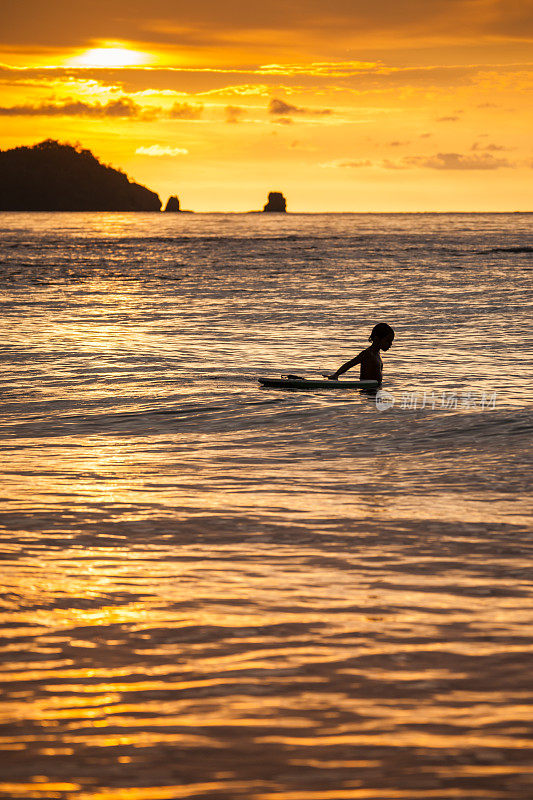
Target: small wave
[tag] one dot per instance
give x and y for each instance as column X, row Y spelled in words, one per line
column 517, row 249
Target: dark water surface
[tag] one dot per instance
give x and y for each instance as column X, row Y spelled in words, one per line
column 221, row 592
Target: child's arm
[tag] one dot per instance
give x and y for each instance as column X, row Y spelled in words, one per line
column 345, row 367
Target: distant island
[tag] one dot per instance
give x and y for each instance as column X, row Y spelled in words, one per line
column 60, row 177
column 276, row 202
column 173, row 204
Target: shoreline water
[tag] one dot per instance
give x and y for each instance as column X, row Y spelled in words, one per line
column 291, row 213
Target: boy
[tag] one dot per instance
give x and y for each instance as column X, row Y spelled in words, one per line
column 370, row 360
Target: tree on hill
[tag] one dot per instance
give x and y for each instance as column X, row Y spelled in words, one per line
column 52, row 176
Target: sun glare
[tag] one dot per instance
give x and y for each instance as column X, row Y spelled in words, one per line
column 110, row 57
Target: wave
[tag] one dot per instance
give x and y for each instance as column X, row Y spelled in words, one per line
column 517, row 249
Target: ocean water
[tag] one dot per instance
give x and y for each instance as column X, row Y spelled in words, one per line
column 222, row 592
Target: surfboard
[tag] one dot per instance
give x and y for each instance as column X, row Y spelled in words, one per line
column 295, row 382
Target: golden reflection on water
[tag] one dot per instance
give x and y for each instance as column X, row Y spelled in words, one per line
column 212, row 591
column 293, row 650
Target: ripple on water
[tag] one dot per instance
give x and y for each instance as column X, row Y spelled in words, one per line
column 215, row 591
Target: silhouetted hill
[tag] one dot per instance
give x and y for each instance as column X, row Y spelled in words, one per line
column 59, row 177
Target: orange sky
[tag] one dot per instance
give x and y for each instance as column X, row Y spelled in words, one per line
column 423, row 105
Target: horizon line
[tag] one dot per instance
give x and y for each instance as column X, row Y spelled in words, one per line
column 262, row 213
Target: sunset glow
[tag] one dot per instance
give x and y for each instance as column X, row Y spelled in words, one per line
column 358, row 108
column 109, row 57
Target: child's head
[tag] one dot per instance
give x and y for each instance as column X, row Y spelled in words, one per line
column 382, row 335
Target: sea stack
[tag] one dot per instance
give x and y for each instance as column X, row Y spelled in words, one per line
column 173, row 204
column 276, row 202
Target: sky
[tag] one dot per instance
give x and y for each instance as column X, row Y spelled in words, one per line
column 342, row 105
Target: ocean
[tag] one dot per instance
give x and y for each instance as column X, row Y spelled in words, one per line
column 217, row 591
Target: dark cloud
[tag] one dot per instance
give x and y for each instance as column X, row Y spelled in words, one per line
column 281, row 108
column 123, row 107
column 448, row 119
column 185, row 111
column 175, row 22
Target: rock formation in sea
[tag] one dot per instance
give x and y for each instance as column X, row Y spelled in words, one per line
column 51, row 176
column 276, row 202
column 173, row 204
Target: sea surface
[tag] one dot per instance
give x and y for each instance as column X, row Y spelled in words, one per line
column 216, row 591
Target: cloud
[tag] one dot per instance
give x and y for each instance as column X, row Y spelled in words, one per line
column 123, row 107
column 326, row 69
column 249, row 89
column 281, row 108
column 388, row 164
column 233, row 113
column 448, row 119
column 185, row 111
column 440, row 161
column 306, row 77
column 493, row 148
column 210, row 23
column 457, row 161
column 347, row 164
column 158, row 150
